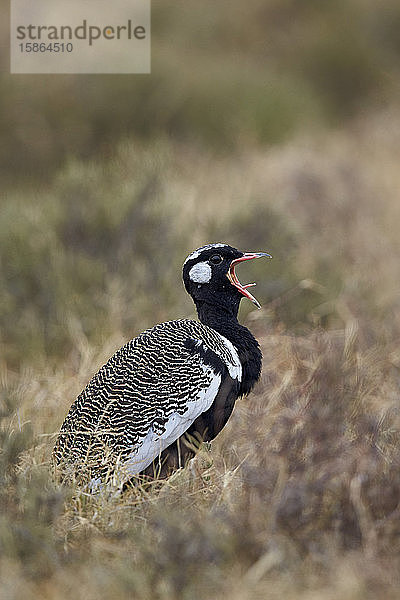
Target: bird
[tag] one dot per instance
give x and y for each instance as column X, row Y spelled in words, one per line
column 148, row 409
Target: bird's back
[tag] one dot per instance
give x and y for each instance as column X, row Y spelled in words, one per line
column 145, row 397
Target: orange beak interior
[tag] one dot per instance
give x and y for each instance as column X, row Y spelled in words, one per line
column 243, row 289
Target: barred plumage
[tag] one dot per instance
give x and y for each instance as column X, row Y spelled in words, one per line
column 151, row 378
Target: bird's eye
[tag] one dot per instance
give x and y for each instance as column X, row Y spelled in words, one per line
column 216, row 259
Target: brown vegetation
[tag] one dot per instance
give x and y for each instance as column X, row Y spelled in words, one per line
column 273, row 126
column 299, row 496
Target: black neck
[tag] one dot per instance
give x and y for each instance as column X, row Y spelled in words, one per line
column 225, row 322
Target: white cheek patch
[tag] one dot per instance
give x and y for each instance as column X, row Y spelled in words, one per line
column 200, row 273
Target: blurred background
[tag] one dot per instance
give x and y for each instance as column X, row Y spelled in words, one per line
column 270, row 125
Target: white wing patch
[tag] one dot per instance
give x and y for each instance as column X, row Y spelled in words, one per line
column 200, row 273
column 153, row 444
column 136, row 438
column 234, row 367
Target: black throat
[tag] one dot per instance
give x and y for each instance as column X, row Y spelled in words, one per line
column 224, row 320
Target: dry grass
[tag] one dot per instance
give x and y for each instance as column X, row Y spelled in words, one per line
column 302, row 486
column 299, row 496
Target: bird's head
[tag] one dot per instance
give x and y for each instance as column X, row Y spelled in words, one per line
column 209, row 276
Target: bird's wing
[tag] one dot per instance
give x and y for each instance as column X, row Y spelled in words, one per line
column 146, row 396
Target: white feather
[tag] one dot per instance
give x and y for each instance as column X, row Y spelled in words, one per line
column 234, row 367
column 153, row 444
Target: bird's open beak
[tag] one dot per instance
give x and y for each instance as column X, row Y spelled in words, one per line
column 231, row 275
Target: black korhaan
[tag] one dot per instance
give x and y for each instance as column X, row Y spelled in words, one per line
column 175, row 384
